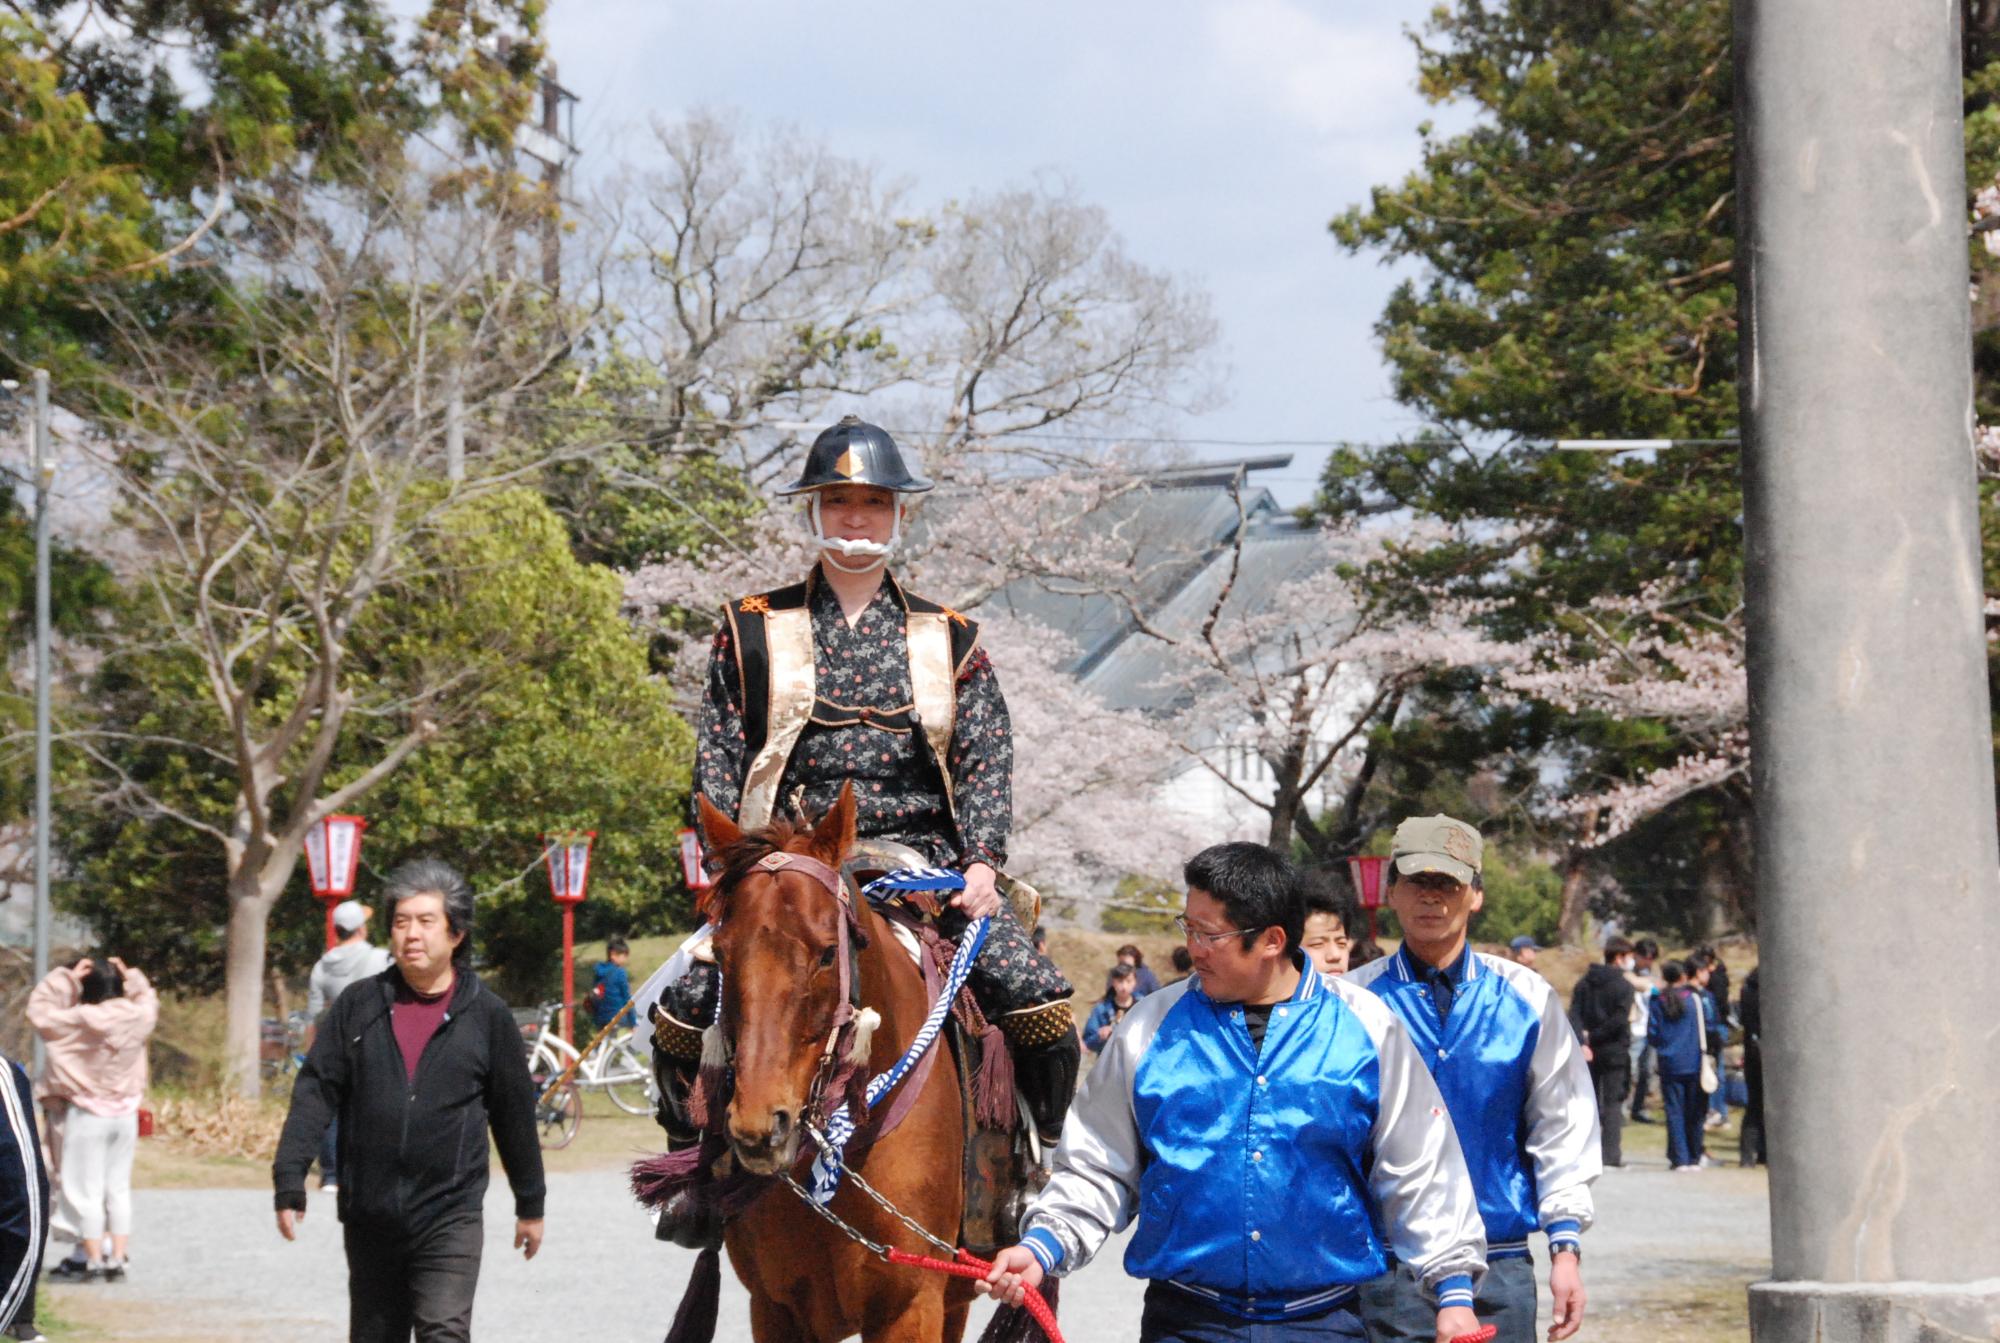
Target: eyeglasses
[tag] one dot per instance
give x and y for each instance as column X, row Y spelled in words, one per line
column 1193, row 934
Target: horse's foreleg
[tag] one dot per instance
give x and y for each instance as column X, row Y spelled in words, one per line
column 773, row 1323
column 957, row 1305
column 921, row 1320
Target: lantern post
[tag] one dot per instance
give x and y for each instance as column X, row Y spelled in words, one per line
column 333, row 857
column 568, row 857
column 1366, row 874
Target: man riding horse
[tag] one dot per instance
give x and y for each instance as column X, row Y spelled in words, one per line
column 846, row 677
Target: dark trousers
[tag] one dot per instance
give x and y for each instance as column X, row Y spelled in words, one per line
column 1753, row 1104
column 1396, row 1307
column 1642, row 1081
column 1610, row 1070
column 399, row 1281
column 1182, row 1317
column 1686, row 1105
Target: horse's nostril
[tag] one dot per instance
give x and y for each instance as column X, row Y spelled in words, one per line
column 781, row 1126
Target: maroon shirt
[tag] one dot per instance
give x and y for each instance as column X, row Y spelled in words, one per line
column 416, row 1019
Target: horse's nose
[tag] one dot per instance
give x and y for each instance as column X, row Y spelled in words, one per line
column 781, row 1127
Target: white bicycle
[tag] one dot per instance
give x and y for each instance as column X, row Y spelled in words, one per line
column 610, row 1062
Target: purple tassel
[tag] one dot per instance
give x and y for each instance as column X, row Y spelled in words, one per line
column 694, row 1321
column 993, row 1085
column 659, row 1178
column 1013, row 1324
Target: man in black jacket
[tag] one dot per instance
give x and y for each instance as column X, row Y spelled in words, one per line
column 417, row 1062
column 1600, row 1008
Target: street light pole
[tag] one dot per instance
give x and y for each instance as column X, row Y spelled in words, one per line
column 44, row 468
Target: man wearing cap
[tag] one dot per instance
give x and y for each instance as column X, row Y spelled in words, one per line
column 1523, row 949
column 1513, row 1077
column 347, row 961
column 848, row 678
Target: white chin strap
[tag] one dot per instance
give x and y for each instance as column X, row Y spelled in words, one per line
column 873, row 554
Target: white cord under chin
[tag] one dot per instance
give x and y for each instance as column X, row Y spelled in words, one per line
column 874, row 554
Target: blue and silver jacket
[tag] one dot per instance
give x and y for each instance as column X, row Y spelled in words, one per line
column 1260, row 1178
column 1517, row 1087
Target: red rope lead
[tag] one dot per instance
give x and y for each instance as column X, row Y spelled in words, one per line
column 972, row 1266
column 1480, row 1335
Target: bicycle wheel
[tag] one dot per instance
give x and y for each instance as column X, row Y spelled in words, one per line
column 547, row 1059
column 627, row 1076
column 558, row 1115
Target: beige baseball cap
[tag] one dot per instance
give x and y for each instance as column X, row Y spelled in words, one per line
column 1437, row 844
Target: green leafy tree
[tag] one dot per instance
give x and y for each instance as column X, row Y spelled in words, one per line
column 567, row 730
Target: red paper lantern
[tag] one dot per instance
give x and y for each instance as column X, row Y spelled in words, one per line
column 568, row 857
column 333, row 857
column 693, row 870
column 1368, row 884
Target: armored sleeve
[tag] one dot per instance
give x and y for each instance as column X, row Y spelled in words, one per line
column 720, row 741
column 982, row 764
column 1559, row 1119
column 1418, row 1175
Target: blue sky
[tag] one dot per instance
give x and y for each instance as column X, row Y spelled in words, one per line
column 1220, row 135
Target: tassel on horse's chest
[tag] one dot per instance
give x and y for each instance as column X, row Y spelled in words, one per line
column 865, row 1022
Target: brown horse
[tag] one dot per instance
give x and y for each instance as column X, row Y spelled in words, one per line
column 778, row 938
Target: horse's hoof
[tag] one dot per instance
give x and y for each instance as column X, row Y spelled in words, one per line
column 691, row 1223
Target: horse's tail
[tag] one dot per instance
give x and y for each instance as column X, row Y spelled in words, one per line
column 1013, row 1324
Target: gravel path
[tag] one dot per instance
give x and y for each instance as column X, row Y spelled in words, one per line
column 1667, row 1261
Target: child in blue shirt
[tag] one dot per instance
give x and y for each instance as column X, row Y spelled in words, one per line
column 614, row 987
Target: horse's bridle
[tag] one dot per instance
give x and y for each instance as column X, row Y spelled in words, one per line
column 848, row 992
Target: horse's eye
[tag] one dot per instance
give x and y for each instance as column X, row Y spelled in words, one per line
column 826, row 957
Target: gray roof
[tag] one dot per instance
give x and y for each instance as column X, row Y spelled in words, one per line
column 1181, row 529
column 1276, row 551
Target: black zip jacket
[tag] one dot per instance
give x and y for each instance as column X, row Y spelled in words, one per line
column 1600, row 1007
column 412, row 1153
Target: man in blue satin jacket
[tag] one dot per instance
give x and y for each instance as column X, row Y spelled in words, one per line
column 1494, row 1035
column 1266, row 1129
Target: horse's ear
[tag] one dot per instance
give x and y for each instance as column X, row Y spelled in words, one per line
column 719, row 830
column 834, row 835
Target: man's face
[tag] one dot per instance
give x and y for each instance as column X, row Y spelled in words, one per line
column 420, row 936
column 1122, row 989
column 858, row 513
column 1326, row 943
column 1229, row 974
column 1434, row 908
column 1700, row 977
column 1525, row 955
column 1626, row 963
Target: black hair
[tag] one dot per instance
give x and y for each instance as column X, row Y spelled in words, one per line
column 1183, row 960
column 1673, row 1004
column 434, row 876
column 1648, row 948
column 1257, row 887
column 615, row 944
column 1041, row 936
column 103, row 982
column 1614, row 948
column 1323, row 893
column 1114, row 973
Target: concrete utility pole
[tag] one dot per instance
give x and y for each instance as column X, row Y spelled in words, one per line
column 1878, row 875
column 45, row 469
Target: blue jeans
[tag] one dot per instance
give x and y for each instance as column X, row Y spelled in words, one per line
column 1174, row 1316
column 329, row 1153
column 1685, row 1106
column 1395, row 1306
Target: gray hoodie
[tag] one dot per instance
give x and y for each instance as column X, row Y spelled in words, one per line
column 341, row 966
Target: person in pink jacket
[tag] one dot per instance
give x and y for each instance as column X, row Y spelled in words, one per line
column 95, row 1018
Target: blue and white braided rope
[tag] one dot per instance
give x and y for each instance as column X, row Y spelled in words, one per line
column 827, row 1166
